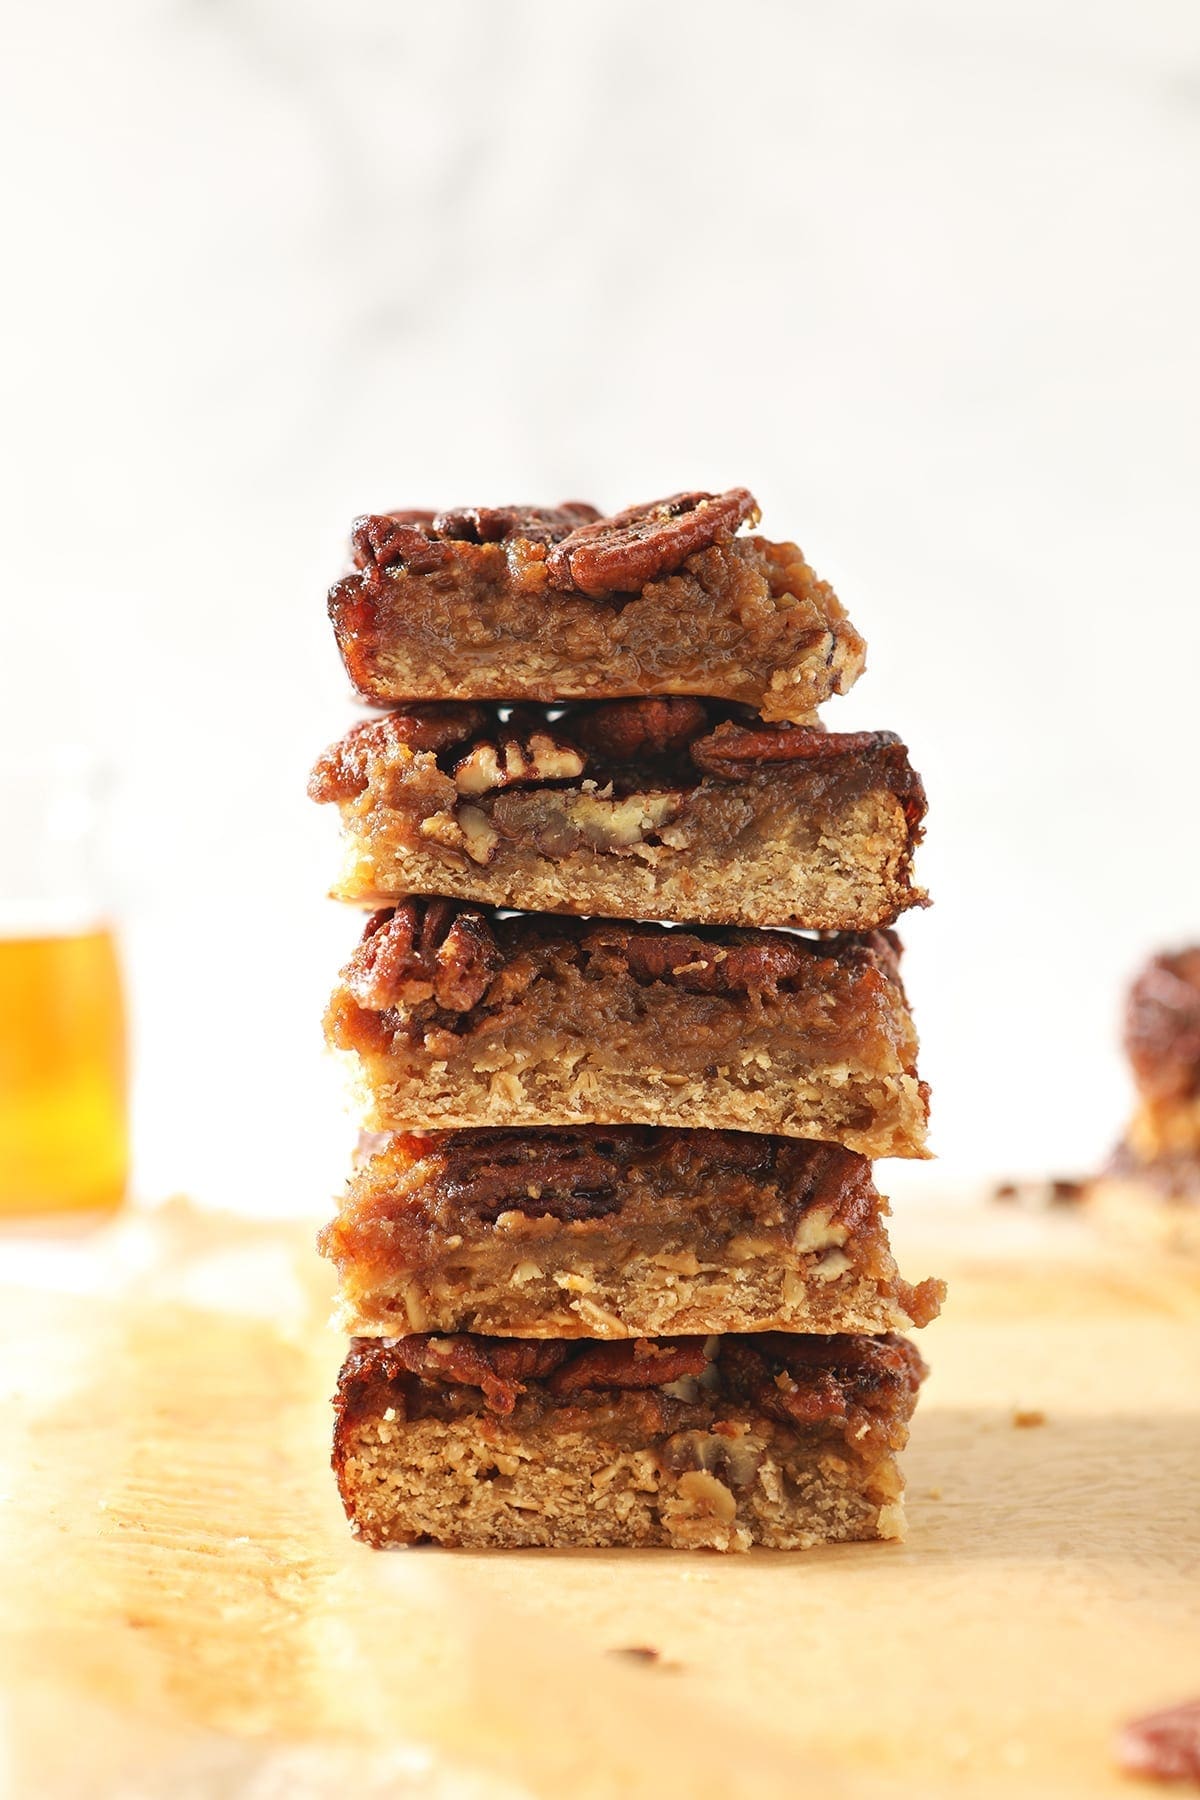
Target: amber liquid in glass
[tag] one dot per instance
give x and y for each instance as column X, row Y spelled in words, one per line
column 63, row 1128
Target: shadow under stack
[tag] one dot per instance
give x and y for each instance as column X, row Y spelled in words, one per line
column 616, row 1271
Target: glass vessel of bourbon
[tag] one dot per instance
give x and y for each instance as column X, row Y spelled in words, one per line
column 64, row 1134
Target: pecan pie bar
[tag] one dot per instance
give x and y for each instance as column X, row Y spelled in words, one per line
column 1150, row 1190
column 453, row 1016
column 775, row 1439
column 651, row 809
column 548, row 603
column 617, row 1232
column 1162, row 1041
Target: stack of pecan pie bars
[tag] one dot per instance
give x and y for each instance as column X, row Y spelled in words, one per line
column 625, row 1028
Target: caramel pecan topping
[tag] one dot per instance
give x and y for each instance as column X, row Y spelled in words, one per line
column 810, row 1380
column 467, row 958
column 629, row 731
column 796, row 1380
column 591, row 1171
column 423, row 541
column 422, row 952
column 343, row 771
column 658, row 747
column 498, row 1367
column 531, row 1172
column 378, row 539
column 622, row 553
column 706, row 968
column 731, row 750
column 501, row 1368
column 587, row 553
column 499, row 524
column 1164, row 1746
column 450, row 952
column 629, row 1363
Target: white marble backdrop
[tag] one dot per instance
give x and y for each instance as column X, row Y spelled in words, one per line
column 924, row 275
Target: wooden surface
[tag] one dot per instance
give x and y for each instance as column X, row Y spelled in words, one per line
column 182, row 1613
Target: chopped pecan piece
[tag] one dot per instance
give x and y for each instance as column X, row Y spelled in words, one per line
column 423, row 952
column 610, row 824
column 497, row 765
column 629, row 1363
column 622, row 553
column 380, row 539
column 479, row 835
column 733, row 751
column 422, row 541
column 1165, row 1746
column 726, row 1455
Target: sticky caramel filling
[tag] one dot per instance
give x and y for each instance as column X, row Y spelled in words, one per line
column 496, row 1195
column 859, row 1390
column 477, row 810
column 565, row 992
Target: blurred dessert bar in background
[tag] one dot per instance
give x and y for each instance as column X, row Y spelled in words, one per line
column 1151, row 1185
